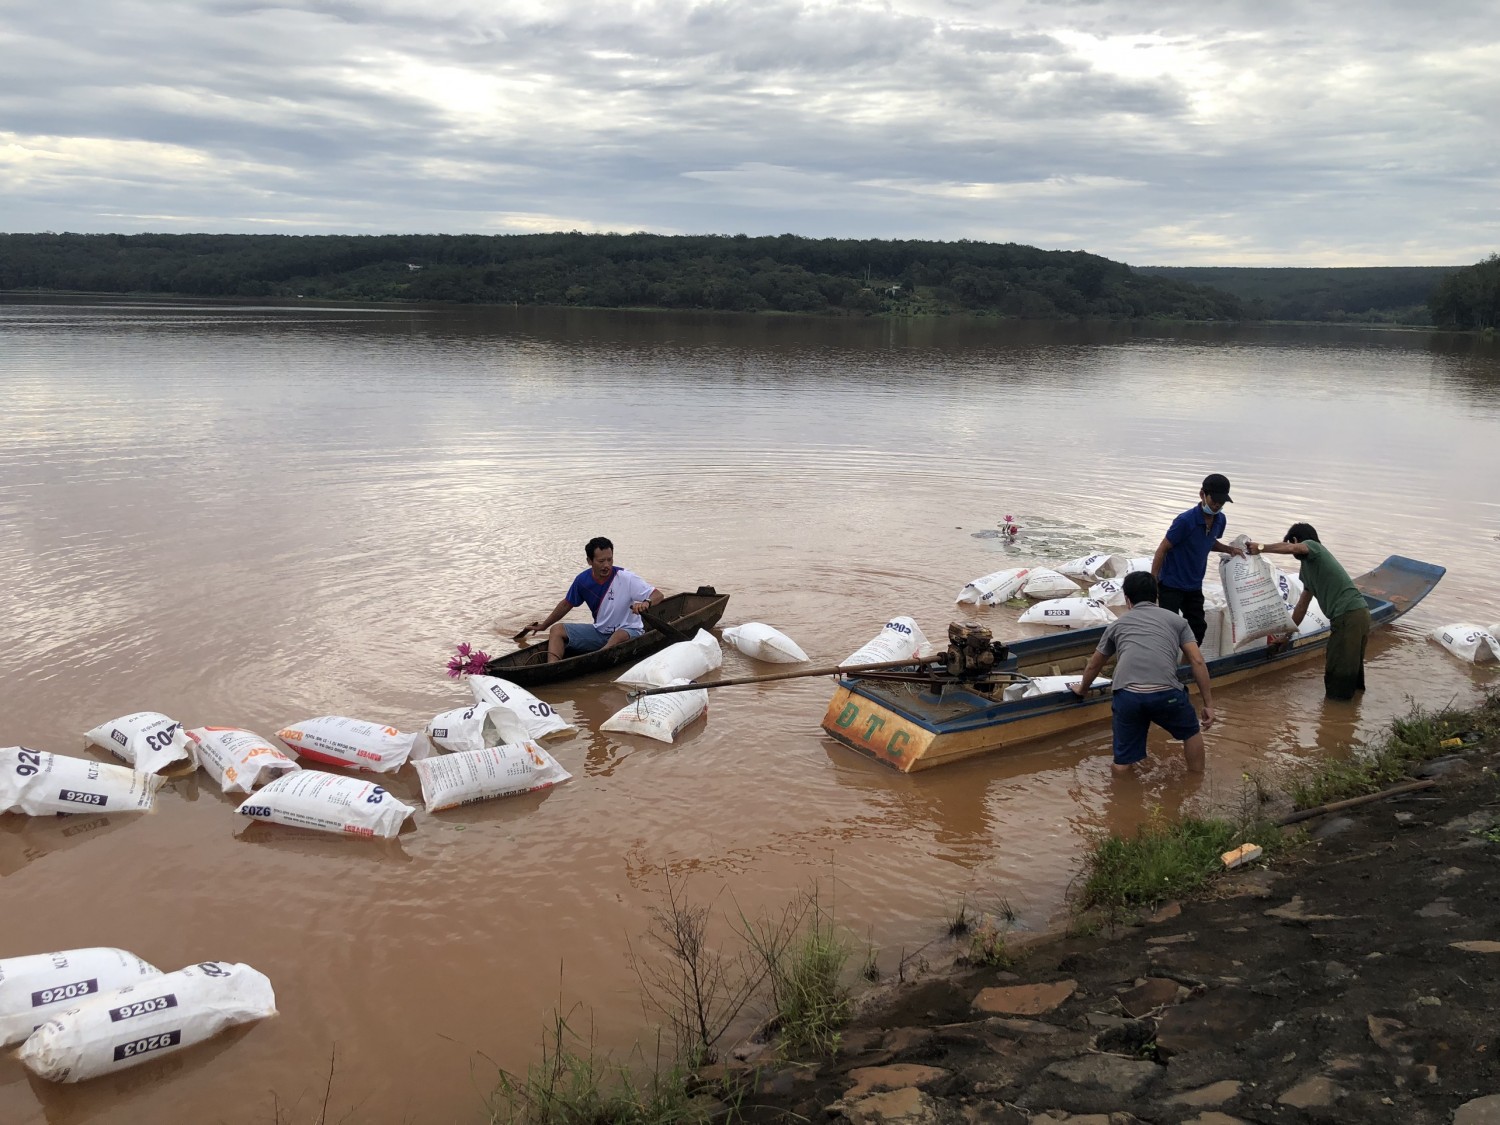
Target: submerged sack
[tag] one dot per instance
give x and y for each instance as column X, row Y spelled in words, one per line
column 450, row 780
column 1069, row 613
column 1471, row 643
column 328, row 803
column 1256, row 608
column 540, row 719
column 354, row 743
column 39, row 984
column 476, row 727
column 146, row 1021
column 661, row 717
column 685, row 660
column 1000, row 586
column 146, row 740
column 37, row 783
column 761, row 642
column 1043, row 583
column 1048, row 685
column 1118, row 566
column 898, row 639
column 1086, row 567
column 1110, row 591
column 239, row 760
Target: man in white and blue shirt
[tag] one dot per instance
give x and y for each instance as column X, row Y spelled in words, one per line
column 615, row 596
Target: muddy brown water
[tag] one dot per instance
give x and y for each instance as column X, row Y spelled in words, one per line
column 248, row 515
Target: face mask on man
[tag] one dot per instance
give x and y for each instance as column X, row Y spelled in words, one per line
column 1207, row 509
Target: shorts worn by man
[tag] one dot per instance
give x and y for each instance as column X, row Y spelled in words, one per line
column 614, row 595
column 1182, row 556
column 1324, row 577
column 1147, row 641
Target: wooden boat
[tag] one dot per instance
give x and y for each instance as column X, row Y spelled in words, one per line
column 682, row 614
column 910, row 726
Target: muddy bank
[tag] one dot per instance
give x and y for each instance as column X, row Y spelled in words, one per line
column 1354, row 979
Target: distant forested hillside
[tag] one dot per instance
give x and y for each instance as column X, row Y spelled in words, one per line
column 785, row 273
column 1375, row 294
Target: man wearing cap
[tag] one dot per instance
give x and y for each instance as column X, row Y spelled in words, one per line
column 1182, row 556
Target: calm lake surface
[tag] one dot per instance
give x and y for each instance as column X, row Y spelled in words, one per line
column 244, row 515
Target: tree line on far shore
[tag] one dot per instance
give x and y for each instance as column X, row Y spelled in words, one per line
column 1469, row 297
column 784, row 273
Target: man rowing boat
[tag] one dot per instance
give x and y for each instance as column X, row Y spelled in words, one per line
column 614, row 595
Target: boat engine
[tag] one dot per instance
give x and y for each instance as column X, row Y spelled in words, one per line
column 972, row 652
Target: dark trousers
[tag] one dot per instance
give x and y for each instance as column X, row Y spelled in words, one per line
column 1189, row 603
column 1344, row 662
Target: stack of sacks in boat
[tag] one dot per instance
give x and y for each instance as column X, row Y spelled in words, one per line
column 1218, row 640
column 1050, row 685
column 900, row 638
column 663, row 717
column 759, row 641
column 1472, row 644
column 83, row 1013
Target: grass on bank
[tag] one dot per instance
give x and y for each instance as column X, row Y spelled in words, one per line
column 1166, row 860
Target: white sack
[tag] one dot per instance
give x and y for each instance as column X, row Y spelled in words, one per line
column 146, row 1021
column 1043, row 583
column 1256, row 608
column 328, row 803
column 476, row 727
column 1118, row 566
column 540, row 719
column 355, row 743
column 450, row 780
column 1084, row 568
column 37, row 783
column 1069, row 613
column 994, row 588
column 1048, row 685
column 661, row 717
column 239, row 760
column 685, row 660
column 1471, row 643
column 37, row 985
column 1314, row 620
column 898, row 639
column 147, row 740
column 759, row 641
column 1110, row 591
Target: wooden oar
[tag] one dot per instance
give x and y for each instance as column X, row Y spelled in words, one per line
column 835, row 671
column 663, row 626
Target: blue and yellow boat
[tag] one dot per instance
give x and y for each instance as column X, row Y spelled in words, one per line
column 927, row 720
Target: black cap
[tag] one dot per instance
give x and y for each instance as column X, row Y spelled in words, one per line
column 1217, row 487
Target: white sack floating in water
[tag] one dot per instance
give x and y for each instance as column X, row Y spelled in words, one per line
column 538, row 715
column 34, row 986
column 1110, row 591
column 327, row 802
column 38, row 783
column 470, row 776
column 1069, row 613
column 898, row 639
column 475, row 727
column 145, row 1021
column 1043, row 583
column 146, row 740
column 993, row 588
column 1118, row 566
column 1473, row 644
column 685, row 660
column 759, row 641
column 1085, row 568
column 239, row 760
column 662, row 717
column 354, row 743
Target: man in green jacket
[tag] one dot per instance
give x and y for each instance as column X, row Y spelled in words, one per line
column 1339, row 599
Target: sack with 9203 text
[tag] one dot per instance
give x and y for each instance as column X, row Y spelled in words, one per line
column 328, row 803
column 147, row 740
column 145, row 1021
column 540, row 719
column 1068, row 613
column 34, row 986
column 1256, row 607
column 898, row 639
column 38, row 783
column 239, row 760
column 451, row 780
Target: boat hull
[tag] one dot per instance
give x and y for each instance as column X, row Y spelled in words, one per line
column 910, row 728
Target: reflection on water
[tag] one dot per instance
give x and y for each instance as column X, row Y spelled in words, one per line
column 253, row 515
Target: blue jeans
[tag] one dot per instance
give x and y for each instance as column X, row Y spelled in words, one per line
column 586, row 638
column 1135, row 711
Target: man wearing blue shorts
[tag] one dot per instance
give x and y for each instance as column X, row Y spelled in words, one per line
column 1148, row 641
column 614, row 595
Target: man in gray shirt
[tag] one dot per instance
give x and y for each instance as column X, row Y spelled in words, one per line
column 1148, row 640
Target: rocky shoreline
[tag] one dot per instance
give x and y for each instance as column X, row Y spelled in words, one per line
column 1354, row 979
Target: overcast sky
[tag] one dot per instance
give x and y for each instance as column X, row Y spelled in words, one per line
column 1343, row 132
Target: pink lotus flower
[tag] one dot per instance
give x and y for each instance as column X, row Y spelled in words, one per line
column 468, row 661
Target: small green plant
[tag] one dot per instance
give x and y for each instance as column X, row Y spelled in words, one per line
column 805, row 963
column 1162, row 860
column 959, row 920
column 988, row 947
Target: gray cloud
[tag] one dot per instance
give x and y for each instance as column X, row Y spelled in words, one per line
column 1282, row 132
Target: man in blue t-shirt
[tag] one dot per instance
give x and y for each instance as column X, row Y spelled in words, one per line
column 1182, row 556
column 615, row 597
